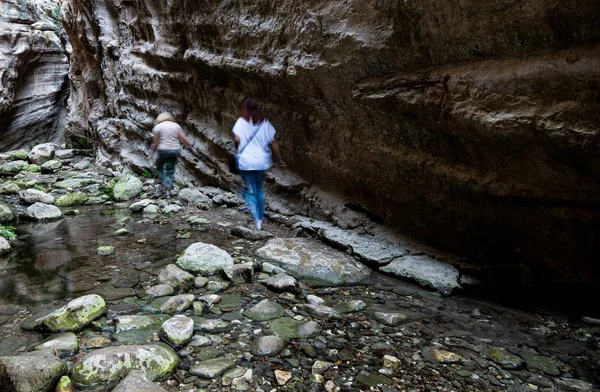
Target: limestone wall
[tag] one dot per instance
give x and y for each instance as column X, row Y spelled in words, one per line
column 472, row 125
column 33, row 68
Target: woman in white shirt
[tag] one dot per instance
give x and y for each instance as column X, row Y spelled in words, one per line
column 256, row 146
column 167, row 135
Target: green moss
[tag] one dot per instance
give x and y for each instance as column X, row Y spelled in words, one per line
column 32, row 169
column 76, row 314
column 72, row 199
column 20, row 184
column 19, row 155
column 64, row 385
column 107, row 366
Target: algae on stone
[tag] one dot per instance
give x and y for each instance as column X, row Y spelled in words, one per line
column 105, row 367
column 72, row 317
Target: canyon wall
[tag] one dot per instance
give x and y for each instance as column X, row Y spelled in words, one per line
column 34, row 68
column 471, row 125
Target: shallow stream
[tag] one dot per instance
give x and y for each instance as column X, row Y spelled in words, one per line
column 58, row 261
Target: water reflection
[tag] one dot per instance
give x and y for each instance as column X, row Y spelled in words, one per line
column 58, row 259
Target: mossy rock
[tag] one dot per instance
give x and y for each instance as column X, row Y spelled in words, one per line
column 32, row 169
column 72, row 199
column 18, row 155
column 105, row 367
column 72, row 317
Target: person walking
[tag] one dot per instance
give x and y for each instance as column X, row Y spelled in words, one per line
column 256, row 149
column 167, row 135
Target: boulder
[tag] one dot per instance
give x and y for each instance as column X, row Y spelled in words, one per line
column 128, row 187
column 105, row 367
column 41, row 153
column 427, row 271
column 313, row 262
column 204, row 259
column 37, row 371
column 74, row 316
column 31, row 196
column 41, row 212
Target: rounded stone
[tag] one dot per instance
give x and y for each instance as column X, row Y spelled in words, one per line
column 178, row 330
column 265, row 310
column 204, row 259
column 40, row 212
column 271, row 345
column 128, row 187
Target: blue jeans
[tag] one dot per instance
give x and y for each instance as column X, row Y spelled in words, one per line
column 253, row 192
column 165, row 165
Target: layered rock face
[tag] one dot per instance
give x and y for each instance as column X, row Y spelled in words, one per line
column 471, row 125
column 34, row 67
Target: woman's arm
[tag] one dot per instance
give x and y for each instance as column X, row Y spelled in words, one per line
column 154, row 144
column 276, row 154
column 184, row 140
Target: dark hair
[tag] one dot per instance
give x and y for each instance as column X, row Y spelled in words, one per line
column 250, row 109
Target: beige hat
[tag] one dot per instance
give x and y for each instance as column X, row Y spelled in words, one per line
column 164, row 116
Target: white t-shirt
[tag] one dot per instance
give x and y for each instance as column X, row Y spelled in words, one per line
column 256, row 155
column 169, row 135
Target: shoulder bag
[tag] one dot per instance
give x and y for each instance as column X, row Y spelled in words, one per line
column 234, row 165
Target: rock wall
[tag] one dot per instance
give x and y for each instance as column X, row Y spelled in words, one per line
column 34, row 69
column 471, row 125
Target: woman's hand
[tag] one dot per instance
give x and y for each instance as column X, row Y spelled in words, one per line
column 281, row 163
